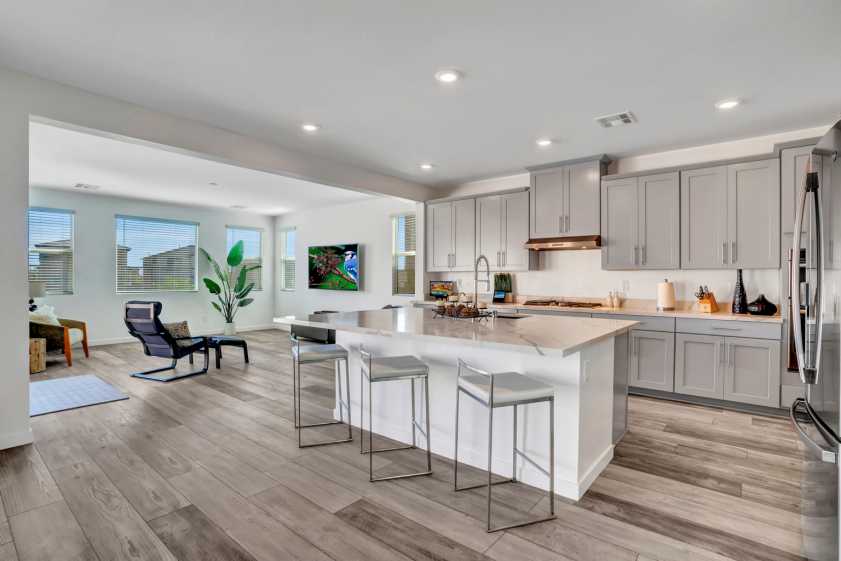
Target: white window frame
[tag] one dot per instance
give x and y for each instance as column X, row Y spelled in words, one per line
column 283, row 258
column 257, row 287
column 156, row 290
column 395, row 254
column 72, row 214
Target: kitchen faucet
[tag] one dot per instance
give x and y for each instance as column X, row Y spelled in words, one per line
column 476, row 281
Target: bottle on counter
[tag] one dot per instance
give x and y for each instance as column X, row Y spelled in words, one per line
column 740, row 299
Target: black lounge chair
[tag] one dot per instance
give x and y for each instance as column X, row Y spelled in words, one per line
column 143, row 321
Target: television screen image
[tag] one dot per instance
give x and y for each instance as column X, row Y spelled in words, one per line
column 334, row 267
column 441, row 289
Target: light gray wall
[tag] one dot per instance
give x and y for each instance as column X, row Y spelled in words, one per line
column 23, row 97
column 95, row 299
column 367, row 223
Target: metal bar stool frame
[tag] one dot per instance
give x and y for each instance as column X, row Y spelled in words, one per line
column 344, row 405
column 515, row 451
column 367, row 357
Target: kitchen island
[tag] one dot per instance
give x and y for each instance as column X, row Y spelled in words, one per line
column 575, row 355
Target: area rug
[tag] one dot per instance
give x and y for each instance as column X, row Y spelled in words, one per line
column 72, row 392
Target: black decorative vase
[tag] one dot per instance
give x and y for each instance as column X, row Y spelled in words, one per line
column 762, row 307
column 740, row 299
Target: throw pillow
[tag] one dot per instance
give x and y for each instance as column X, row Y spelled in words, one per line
column 179, row 330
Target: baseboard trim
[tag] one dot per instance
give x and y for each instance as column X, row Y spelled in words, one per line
column 200, row 333
column 14, row 439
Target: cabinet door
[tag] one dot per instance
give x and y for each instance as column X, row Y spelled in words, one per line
column 699, row 365
column 548, row 189
column 515, row 231
column 652, row 362
column 439, row 236
column 793, row 172
column 659, row 217
column 753, row 214
column 489, row 235
column 703, row 219
column 752, row 374
column 464, row 234
column 619, row 224
column 581, row 216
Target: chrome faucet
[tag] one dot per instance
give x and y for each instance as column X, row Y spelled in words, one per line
column 476, row 281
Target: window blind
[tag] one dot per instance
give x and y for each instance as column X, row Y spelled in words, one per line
column 252, row 242
column 155, row 254
column 404, row 248
column 51, row 249
column 287, row 259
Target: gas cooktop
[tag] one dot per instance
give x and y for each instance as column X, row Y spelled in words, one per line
column 562, row 303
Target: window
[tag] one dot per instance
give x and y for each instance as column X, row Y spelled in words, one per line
column 404, row 246
column 51, row 249
column 252, row 242
column 287, row 259
column 155, row 254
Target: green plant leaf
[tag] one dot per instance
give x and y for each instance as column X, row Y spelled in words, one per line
column 218, row 308
column 236, row 254
column 245, row 301
column 244, row 292
column 212, row 286
column 241, row 279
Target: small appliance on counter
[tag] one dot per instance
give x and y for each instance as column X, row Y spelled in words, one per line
column 665, row 296
column 503, row 286
column 441, row 290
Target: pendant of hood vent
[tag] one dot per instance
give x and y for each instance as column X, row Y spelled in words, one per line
column 567, row 243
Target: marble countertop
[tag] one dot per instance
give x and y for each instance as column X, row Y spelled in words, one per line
column 644, row 308
column 544, row 335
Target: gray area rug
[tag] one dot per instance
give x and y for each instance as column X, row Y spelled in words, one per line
column 72, row 392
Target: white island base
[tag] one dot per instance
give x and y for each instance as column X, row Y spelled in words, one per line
column 583, row 384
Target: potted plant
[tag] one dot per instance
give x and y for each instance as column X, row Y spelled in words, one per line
column 231, row 286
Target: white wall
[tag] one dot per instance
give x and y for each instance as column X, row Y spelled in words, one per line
column 367, row 223
column 23, row 97
column 95, row 299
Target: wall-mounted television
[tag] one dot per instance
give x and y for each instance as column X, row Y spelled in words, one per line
column 334, row 267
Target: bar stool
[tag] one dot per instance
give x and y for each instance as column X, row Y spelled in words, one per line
column 309, row 353
column 388, row 369
column 506, row 389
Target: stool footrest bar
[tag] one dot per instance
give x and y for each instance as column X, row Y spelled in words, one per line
column 534, row 464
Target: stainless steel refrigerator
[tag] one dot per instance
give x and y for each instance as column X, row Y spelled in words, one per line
column 815, row 302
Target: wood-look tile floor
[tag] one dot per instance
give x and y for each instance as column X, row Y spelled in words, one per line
column 208, row 468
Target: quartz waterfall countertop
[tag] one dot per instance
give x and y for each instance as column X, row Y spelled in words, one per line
column 543, row 335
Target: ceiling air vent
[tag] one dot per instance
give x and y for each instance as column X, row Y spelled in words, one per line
column 616, row 120
column 86, row 187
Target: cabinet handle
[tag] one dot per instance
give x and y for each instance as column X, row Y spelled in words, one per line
column 724, row 253
column 636, row 254
column 733, row 252
column 566, row 223
column 561, row 223
column 643, row 255
column 503, row 258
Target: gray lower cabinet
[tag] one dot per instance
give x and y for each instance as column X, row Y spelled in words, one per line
column 752, row 372
column 699, row 365
column 652, row 360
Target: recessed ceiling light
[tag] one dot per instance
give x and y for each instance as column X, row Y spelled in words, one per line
column 213, row 184
column 239, row 207
column 726, row 104
column 87, row 187
column 544, row 142
column 310, row 127
column 426, row 166
column 448, row 76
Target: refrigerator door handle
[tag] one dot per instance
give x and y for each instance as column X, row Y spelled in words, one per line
column 828, row 456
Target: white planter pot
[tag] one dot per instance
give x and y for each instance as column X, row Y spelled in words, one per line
column 230, row 329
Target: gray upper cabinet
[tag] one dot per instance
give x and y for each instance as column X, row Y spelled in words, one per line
column 793, row 163
column 703, row 218
column 565, row 200
column 502, row 229
column 792, row 173
column 640, row 217
column 699, row 365
column 753, row 214
column 451, row 235
column 730, row 216
column 752, row 372
column 651, row 362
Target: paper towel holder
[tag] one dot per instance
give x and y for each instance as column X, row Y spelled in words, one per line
column 665, row 296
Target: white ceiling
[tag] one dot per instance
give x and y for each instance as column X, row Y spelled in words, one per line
column 364, row 71
column 60, row 158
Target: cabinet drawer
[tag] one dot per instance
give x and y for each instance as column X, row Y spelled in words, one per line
column 647, row 323
column 756, row 330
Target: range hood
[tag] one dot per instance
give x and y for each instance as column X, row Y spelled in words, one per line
column 567, row 243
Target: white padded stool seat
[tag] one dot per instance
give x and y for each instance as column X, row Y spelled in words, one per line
column 317, row 353
column 509, row 388
column 393, row 367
